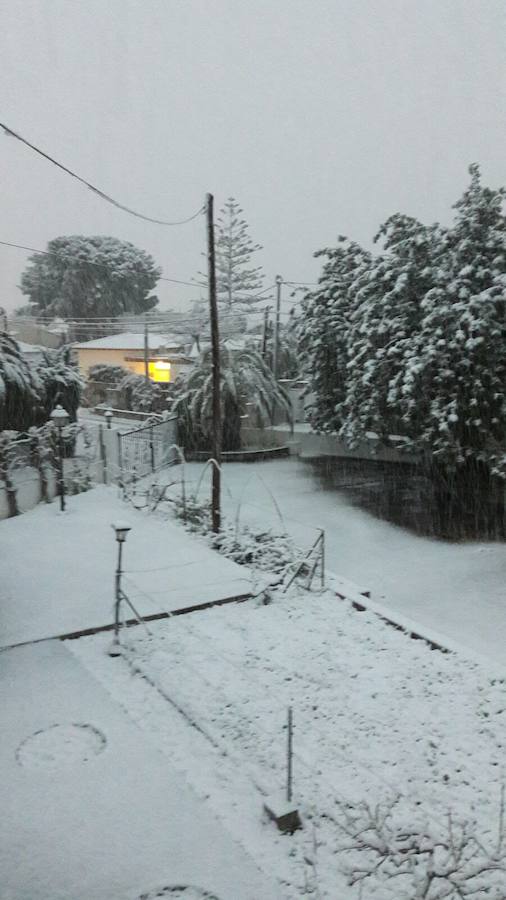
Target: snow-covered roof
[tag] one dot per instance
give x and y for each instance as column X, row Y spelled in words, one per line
column 29, row 348
column 130, row 341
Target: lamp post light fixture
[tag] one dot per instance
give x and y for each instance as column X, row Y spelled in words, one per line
column 60, row 417
column 108, row 415
column 121, row 530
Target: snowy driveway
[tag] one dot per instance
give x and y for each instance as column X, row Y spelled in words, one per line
column 91, row 810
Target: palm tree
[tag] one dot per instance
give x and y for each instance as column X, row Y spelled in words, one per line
column 61, row 383
column 247, row 385
column 20, row 388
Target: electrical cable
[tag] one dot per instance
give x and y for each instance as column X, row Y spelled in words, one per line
column 86, row 262
column 10, row 133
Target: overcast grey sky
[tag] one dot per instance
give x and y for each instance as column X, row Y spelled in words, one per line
column 320, row 116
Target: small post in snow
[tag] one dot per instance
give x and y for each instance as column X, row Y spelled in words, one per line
column 279, row 809
column 289, row 756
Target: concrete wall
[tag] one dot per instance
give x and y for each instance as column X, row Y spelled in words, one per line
column 310, row 445
column 35, row 334
column 315, row 445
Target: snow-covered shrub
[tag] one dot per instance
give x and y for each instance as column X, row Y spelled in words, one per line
column 263, row 549
column 141, row 395
column 405, row 861
column 101, row 380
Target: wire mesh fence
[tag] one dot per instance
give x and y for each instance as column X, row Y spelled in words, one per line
column 147, row 450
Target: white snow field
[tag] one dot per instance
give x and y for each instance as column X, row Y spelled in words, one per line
column 458, row 590
column 129, row 777
column 377, row 715
column 90, row 809
column 57, row 569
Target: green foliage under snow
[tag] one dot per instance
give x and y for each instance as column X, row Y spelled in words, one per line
column 247, row 386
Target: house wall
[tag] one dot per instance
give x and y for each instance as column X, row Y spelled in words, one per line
column 104, row 357
column 97, row 356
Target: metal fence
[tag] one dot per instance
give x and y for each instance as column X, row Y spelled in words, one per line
column 147, row 449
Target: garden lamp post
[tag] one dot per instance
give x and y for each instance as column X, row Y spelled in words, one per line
column 60, row 418
column 121, row 530
column 108, row 415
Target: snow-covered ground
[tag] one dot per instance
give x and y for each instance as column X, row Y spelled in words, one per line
column 376, row 715
column 200, row 705
column 90, row 808
column 57, row 570
column 457, row 589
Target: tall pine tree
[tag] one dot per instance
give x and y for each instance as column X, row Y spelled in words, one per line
column 237, row 281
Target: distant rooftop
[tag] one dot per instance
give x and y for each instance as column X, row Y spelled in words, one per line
column 130, row 341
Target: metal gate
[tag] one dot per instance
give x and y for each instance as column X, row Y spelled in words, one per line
column 147, row 449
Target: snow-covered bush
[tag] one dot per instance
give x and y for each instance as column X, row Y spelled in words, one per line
column 100, row 380
column 402, row 861
column 260, row 549
column 138, row 394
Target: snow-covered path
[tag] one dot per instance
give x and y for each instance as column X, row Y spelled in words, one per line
column 91, row 810
column 57, row 570
column 457, row 589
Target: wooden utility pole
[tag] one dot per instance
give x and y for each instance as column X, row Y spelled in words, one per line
column 146, row 350
column 215, row 350
column 275, row 358
column 265, row 331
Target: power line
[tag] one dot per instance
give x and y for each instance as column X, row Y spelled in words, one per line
column 160, row 319
column 10, row 133
column 86, row 262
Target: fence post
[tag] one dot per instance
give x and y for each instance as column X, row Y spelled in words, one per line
column 120, row 465
column 103, row 454
column 152, row 448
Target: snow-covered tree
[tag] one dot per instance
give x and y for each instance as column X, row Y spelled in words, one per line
column 324, row 327
column 82, row 276
column 21, row 390
column 461, row 364
column 237, row 281
column 463, row 335
column 384, row 332
column 414, row 342
column 61, row 383
column 246, row 384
